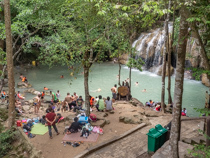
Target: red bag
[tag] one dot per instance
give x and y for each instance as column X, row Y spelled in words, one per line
column 93, row 117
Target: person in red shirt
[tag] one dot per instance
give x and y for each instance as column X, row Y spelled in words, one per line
column 51, row 118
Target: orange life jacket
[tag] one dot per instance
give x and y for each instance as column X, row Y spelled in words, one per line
column 92, row 100
column 43, row 94
column 24, row 78
column 45, row 88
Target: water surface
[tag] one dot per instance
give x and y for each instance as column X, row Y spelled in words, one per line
column 104, row 76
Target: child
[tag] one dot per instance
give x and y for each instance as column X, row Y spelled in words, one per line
column 85, row 132
column 184, row 112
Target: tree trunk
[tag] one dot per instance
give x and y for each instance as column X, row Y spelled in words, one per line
column 208, row 132
column 164, row 64
column 119, row 74
column 87, row 95
column 130, row 80
column 178, row 90
column 11, row 83
column 169, row 60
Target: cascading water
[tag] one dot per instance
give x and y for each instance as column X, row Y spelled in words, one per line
column 149, row 47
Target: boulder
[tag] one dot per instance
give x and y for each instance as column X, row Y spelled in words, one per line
column 23, row 85
column 136, row 102
column 36, row 92
column 160, row 70
column 107, row 121
column 100, row 123
column 26, row 107
column 205, row 80
column 123, row 59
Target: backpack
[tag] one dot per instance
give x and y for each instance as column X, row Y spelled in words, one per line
column 26, row 127
column 93, row 117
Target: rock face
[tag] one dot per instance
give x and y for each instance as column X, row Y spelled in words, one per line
column 205, row 80
column 136, row 102
column 160, row 68
column 149, row 47
column 123, row 59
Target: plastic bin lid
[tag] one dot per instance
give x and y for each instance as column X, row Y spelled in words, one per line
column 154, row 133
column 160, row 129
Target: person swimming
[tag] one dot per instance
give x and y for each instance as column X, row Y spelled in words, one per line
column 144, row 90
column 137, row 83
column 62, row 76
column 98, row 90
column 45, row 88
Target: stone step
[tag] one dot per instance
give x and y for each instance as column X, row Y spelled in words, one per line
column 195, row 140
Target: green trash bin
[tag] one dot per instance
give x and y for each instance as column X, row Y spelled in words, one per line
column 153, row 140
column 163, row 132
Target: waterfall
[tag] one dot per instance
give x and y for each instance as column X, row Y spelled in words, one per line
column 149, row 47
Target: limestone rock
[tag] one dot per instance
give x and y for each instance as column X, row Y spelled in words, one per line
column 107, row 121
column 136, row 102
column 205, row 80
column 100, row 123
column 160, row 70
column 36, row 92
column 23, row 85
column 26, row 107
column 123, row 59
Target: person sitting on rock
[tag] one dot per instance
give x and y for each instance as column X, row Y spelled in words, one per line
column 20, row 96
column 109, row 105
column 101, row 104
column 150, row 103
column 184, row 112
column 75, row 127
column 157, row 108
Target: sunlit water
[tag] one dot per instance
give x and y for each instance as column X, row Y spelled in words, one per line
column 104, row 76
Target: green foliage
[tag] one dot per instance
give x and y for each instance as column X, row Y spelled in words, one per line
column 176, row 31
column 200, row 151
column 135, row 63
column 203, row 111
column 201, row 16
column 197, row 72
column 6, row 140
column 3, row 114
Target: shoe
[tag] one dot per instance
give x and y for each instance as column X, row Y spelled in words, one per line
column 58, row 133
column 51, row 137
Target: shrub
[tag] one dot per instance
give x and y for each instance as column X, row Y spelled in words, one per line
column 6, row 140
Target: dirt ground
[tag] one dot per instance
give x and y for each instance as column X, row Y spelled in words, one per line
column 53, row 148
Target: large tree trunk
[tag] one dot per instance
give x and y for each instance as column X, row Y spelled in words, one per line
column 164, row 64
column 178, row 90
column 119, row 74
column 87, row 95
column 11, row 83
column 169, row 60
column 130, row 80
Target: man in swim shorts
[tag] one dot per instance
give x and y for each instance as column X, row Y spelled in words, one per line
column 114, row 91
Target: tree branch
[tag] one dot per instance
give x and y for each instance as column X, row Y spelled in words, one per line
column 24, row 42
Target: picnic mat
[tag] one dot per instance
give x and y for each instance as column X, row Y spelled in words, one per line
column 76, row 137
column 39, row 129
